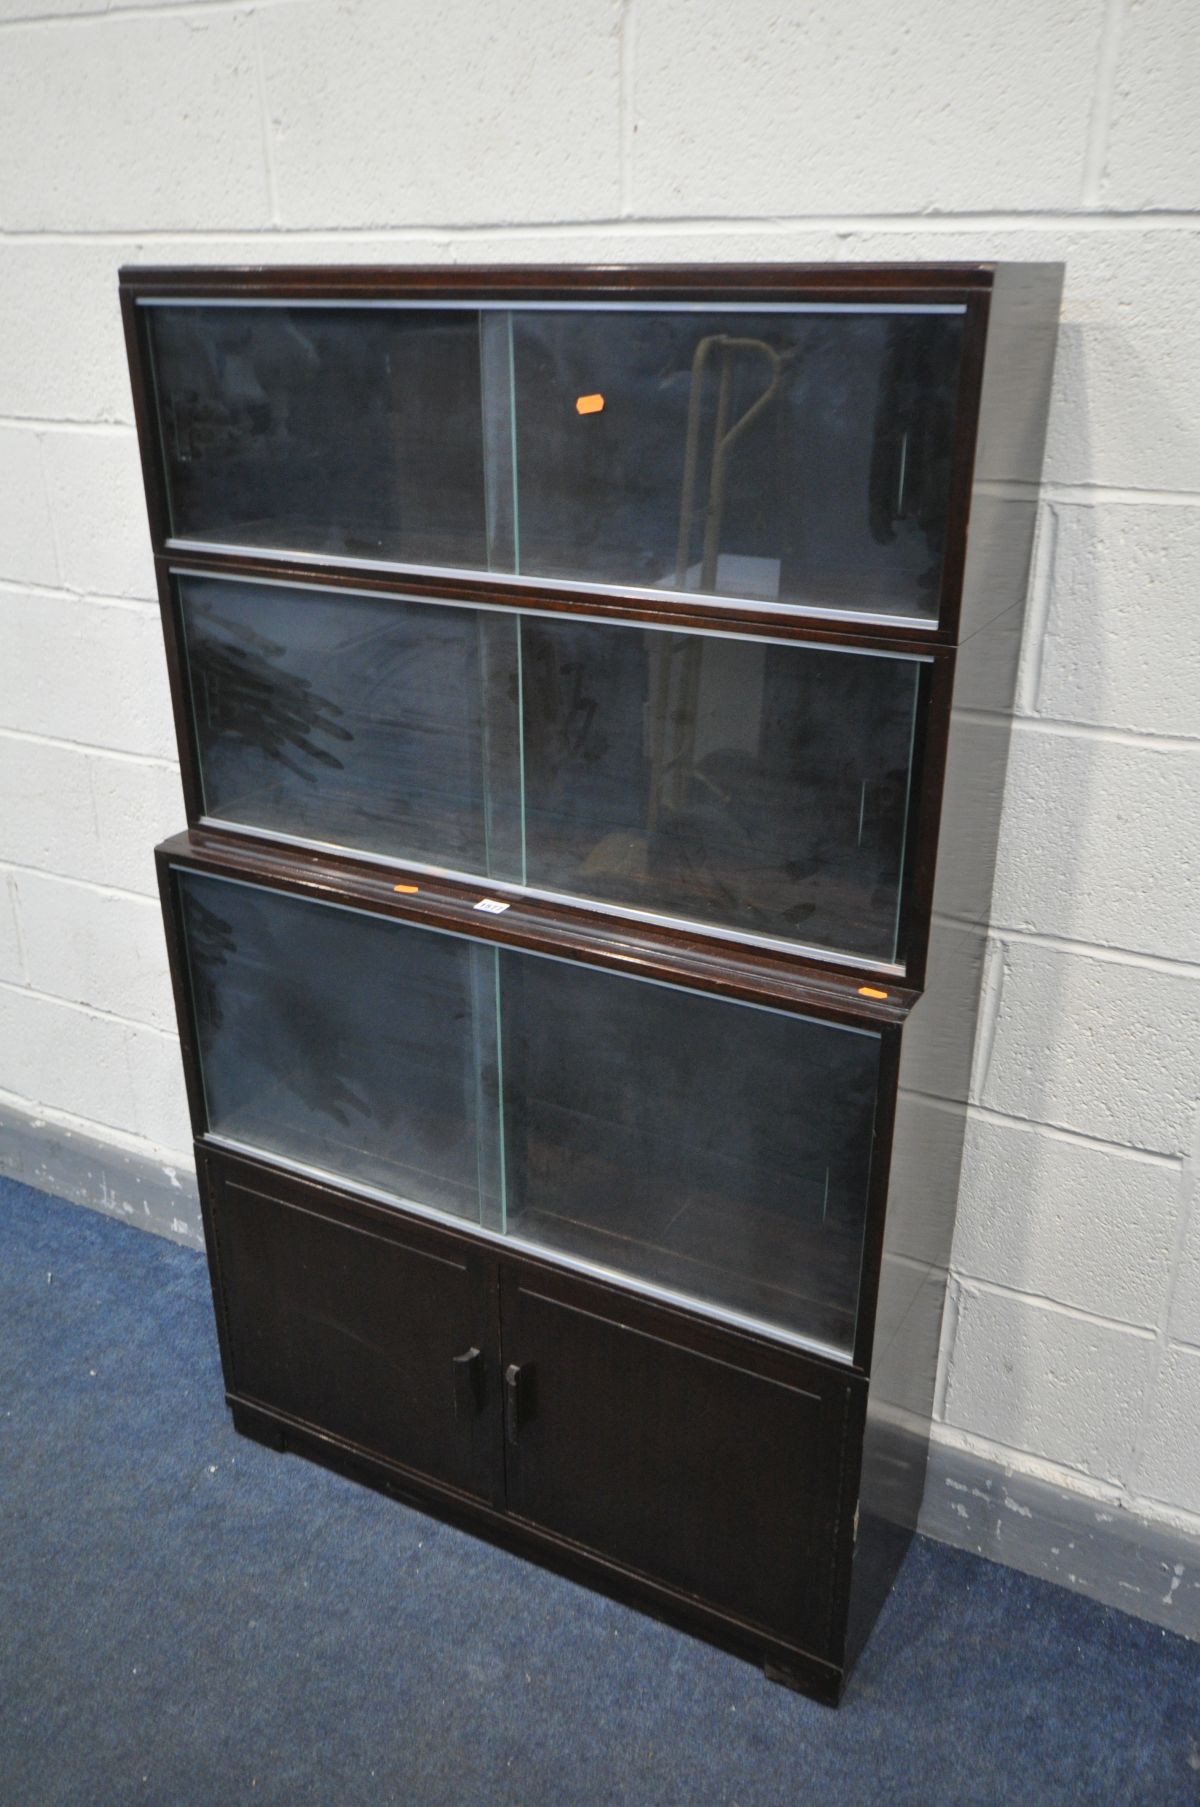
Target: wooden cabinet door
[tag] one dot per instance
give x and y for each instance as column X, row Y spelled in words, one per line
column 357, row 1322
column 703, row 1460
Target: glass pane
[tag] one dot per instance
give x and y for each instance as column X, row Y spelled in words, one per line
column 747, row 784
column 751, row 785
column 329, row 1038
column 349, row 432
column 785, row 457
column 351, row 720
column 710, row 1149
column 789, row 457
column 715, row 1151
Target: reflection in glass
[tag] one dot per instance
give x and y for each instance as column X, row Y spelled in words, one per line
column 716, row 1151
column 328, row 1038
column 341, row 718
column 795, row 456
column 747, row 784
column 800, row 458
column 325, row 430
column 753, row 785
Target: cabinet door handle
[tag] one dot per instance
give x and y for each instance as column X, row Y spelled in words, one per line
column 515, row 1393
column 468, row 1385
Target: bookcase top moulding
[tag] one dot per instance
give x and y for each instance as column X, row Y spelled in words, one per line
column 592, row 281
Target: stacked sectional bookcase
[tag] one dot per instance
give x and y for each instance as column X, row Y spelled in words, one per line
column 591, row 689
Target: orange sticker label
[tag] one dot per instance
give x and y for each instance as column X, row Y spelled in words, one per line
column 869, row 991
column 589, row 404
column 408, row 890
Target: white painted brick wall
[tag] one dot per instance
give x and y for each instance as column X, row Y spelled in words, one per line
column 1122, row 642
column 759, row 108
column 472, row 113
column 26, row 532
column 62, row 360
column 1184, row 1322
column 608, row 130
column 83, row 813
column 1096, row 816
column 112, row 1071
column 139, row 123
column 1105, row 1047
column 1048, row 1382
column 1169, row 1460
column 1151, row 148
column 12, row 963
column 94, row 947
column 1077, row 1223
column 95, row 484
column 106, row 685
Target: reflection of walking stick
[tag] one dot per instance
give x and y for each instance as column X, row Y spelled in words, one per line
column 725, row 437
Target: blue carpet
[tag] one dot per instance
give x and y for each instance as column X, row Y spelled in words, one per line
column 186, row 1618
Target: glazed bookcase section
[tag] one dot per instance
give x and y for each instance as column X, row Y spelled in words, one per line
column 758, row 787
column 791, row 453
column 710, row 1152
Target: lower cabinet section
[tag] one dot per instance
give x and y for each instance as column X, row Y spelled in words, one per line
column 702, row 1472
column 712, row 1468
column 361, row 1323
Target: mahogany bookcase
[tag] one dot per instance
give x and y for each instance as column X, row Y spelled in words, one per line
column 591, row 689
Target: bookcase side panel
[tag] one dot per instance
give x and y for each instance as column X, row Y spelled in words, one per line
column 939, row 1043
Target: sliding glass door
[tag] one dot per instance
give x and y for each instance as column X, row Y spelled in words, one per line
column 750, row 785
column 794, row 454
column 709, row 1151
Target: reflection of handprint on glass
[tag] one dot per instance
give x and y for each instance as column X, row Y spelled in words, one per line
column 211, row 943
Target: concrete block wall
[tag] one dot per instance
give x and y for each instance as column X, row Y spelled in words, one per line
column 571, row 130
